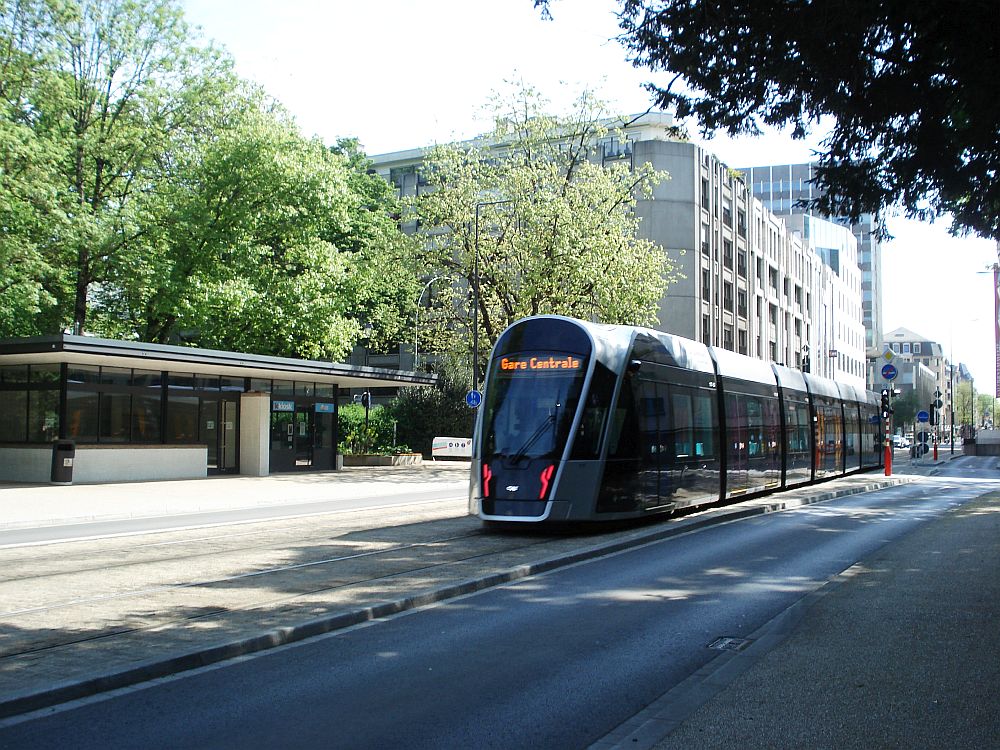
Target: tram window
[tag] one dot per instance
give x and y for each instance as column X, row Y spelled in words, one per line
column 683, row 423
column 704, row 426
column 622, row 439
column 587, row 444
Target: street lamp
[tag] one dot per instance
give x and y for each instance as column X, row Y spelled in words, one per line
column 416, row 314
column 475, row 295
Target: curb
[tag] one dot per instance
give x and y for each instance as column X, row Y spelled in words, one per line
column 144, row 672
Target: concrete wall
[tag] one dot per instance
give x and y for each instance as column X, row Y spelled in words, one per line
column 26, row 464
column 94, row 463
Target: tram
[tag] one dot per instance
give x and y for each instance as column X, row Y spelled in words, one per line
column 589, row 422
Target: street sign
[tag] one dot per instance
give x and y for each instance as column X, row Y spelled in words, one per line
column 887, row 355
column 923, row 437
column 473, row 399
column 889, row 372
column 923, row 416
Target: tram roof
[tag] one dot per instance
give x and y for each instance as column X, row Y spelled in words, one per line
column 91, row 350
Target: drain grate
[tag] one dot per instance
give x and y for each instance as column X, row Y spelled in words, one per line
column 729, row 643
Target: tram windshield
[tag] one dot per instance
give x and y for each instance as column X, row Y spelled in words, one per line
column 531, row 399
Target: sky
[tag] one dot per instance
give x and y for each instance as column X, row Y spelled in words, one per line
column 401, row 74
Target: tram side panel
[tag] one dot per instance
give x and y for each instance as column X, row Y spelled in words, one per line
column 662, row 442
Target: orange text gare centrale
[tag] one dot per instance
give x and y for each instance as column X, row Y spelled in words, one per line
column 540, row 363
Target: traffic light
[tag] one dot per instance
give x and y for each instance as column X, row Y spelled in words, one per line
column 933, row 413
column 886, row 411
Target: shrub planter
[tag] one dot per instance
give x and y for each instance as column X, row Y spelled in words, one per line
column 368, row 459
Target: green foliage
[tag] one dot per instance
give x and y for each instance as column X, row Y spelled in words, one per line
column 905, row 408
column 554, row 230
column 424, row 413
column 147, row 193
column 909, row 89
column 374, row 437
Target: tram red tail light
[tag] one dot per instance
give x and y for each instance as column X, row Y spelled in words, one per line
column 546, row 477
column 487, row 476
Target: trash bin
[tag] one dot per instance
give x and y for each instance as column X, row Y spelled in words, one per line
column 63, row 453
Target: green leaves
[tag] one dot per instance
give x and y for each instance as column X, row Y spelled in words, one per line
column 146, row 192
column 554, row 229
column 910, row 88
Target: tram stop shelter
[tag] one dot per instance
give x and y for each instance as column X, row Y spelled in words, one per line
column 138, row 411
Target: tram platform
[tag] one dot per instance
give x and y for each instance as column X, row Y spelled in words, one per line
column 909, row 634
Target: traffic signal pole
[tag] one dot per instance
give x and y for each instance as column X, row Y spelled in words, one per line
column 887, row 420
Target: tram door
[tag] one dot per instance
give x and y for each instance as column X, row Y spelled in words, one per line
column 218, row 432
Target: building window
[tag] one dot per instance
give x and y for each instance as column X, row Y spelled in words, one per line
column 906, row 348
column 727, row 338
column 742, row 336
column 741, row 303
column 704, row 193
column 706, row 330
column 727, row 298
column 706, row 284
column 741, row 263
column 916, row 348
column 727, row 254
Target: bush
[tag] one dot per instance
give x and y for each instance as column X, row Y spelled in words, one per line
column 423, row 413
column 376, row 436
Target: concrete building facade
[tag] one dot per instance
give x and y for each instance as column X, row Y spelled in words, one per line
column 781, row 187
column 749, row 283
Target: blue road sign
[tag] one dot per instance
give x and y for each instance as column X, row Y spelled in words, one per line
column 923, row 416
column 889, row 372
column 473, row 399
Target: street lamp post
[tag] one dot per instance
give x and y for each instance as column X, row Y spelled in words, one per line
column 416, row 314
column 475, row 295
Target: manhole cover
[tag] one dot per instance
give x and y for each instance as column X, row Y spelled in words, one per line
column 729, row 643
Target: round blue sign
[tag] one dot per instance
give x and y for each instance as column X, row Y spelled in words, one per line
column 889, row 372
column 923, row 416
column 473, row 399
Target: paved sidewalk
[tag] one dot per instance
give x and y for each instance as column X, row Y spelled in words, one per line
column 902, row 651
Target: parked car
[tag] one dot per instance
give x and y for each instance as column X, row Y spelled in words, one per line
column 898, row 441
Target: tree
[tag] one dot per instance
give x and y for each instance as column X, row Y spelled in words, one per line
column 964, row 404
column 905, row 408
column 910, row 89
column 381, row 285
column 105, row 92
column 146, row 192
column 233, row 250
column 524, row 221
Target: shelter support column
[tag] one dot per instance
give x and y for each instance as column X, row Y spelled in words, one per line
column 255, row 434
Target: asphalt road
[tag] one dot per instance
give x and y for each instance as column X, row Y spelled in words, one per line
column 557, row 660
